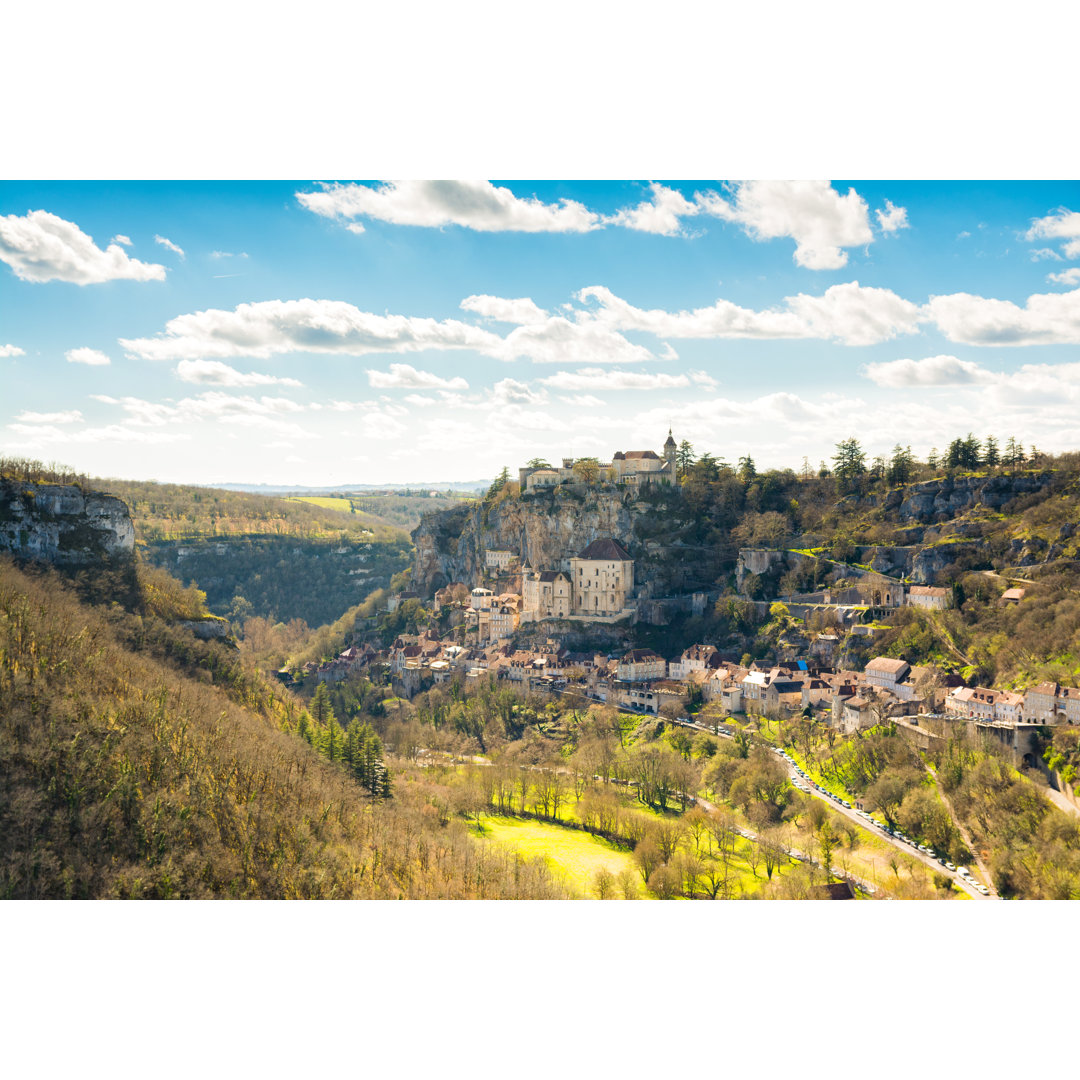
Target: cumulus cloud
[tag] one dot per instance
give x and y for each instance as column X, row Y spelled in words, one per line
column 850, row 313
column 213, row 405
column 216, row 373
column 70, row 417
column 406, row 377
column 813, row 213
column 271, row 327
column 42, row 247
column 93, row 357
column 165, row 242
column 472, row 204
column 521, row 312
column 120, row 238
column 606, row 379
column 662, row 214
column 930, row 371
column 514, row 392
column 587, row 341
column 1066, row 277
column 702, row 378
column 11, row 350
column 1046, row 319
column 585, row 401
column 892, row 217
column 1062, row 224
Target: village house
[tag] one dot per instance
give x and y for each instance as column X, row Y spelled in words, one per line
column 641, row 665
column 928, row 596
column 981, row 703
column 886, row 673
column 1051, row 703
column 696, row 658
column 498, row 560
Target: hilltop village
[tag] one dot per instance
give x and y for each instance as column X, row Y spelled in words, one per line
column 568, row 626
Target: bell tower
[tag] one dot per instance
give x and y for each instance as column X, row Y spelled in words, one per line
column 669, row 453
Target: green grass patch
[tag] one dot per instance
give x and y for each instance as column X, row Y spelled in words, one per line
column 572, row 853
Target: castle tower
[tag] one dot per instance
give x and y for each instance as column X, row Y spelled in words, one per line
column 669, row 454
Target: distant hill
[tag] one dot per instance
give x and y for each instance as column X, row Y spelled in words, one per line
column 467, row 486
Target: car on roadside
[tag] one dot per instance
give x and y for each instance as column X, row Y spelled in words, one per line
column 949, row 866
column 983, row 889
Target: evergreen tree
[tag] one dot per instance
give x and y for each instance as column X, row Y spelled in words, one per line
column 684, row 456
column 746, row 469
column 849, row 460
column 321, row 709
column 499, row 483
column 991, row 454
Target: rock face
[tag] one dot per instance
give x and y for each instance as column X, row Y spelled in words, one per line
column 948, row 496
column 545, row 530
column 63, row 525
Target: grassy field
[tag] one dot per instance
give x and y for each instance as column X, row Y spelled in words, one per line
column 326, row 502
column 572, row 853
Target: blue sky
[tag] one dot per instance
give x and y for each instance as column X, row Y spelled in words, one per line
column 333, row 332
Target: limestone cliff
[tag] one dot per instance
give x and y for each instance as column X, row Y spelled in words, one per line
column 63, row 525
column 545, row 530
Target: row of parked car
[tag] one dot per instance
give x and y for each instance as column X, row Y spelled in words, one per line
column 804, row 783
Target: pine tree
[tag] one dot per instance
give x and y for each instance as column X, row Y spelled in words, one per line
column 849, row 459
column 684, row 456
column 991, row 454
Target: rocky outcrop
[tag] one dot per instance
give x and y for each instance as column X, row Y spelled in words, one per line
column 63, row 525
column 545, row 530
column 949, row 496
column 209, row 629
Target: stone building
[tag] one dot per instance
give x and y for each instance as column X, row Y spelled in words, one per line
column 599, row 585
column 635, row 467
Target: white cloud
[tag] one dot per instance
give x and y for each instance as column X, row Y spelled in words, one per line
column 1038, row 254
column 703, row 378
column 216, row 373
column 406, row 377
column 472, row 204
column 112, row 433
column 228, row 254
column 421, row 400
column 521, row 312
column 587, row 341
column 1062, row 224
column 930, row 371
column 585, row 401
column 815, row 215
column 11, row 350
column 607, row 379
column 661, row 214
column 165, row 242
column 514, row 392
column 850, row 313
column 43, row 247
column 892, row 217
column 1046, row 319
column 120, row 238
column 93, row 357
column 70, row 417
column 213, row 405
column 356, row 228
column 1066, row 277
column 272, row 327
